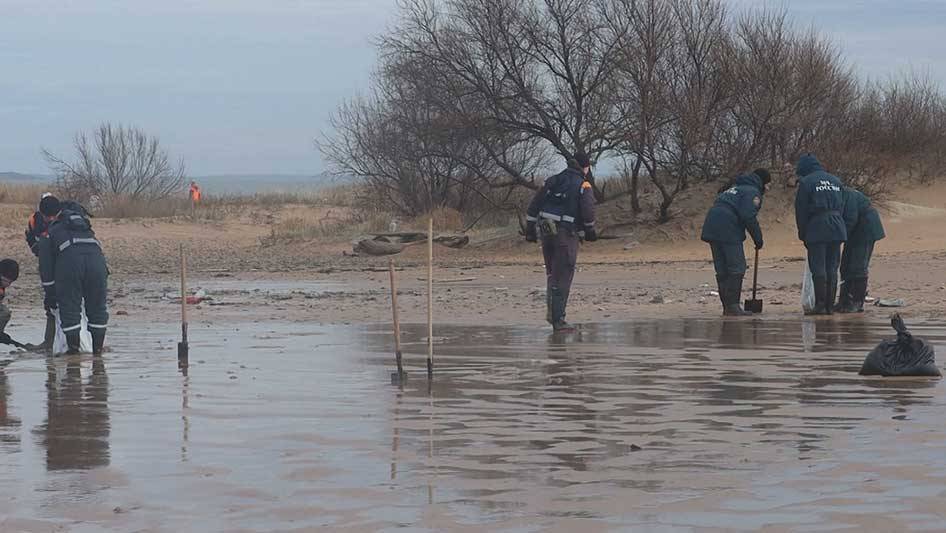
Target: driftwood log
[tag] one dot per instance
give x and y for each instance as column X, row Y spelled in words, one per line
column 395, row 243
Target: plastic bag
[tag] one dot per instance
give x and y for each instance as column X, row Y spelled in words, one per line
column 905, row 356
column 807, row 290
column 60, row 346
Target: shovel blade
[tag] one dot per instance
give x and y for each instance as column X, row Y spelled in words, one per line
column 753, row 305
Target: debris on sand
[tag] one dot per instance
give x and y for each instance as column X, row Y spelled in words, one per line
column 659, row 299
column 890, row 302
column 395, row 243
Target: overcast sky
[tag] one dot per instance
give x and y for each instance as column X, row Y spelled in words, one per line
column 245, row 86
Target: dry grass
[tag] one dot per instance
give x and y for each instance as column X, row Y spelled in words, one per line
column 21, row 193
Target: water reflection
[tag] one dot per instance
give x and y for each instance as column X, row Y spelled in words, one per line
column 9, row 425
column 642, row 405
column 76, row 432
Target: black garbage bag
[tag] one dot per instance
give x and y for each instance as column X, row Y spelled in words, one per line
column 905, row 356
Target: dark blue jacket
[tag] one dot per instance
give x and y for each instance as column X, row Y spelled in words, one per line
column 735, row 212
column 566, row 198
column 863, row 221
column 819, row 204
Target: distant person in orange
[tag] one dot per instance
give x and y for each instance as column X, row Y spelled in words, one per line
column 195, row 193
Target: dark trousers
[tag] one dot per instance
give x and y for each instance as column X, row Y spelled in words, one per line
column 855, row 261
column 81, row 274
column 561, row 253
column 729, row 259
column 5, row 316
column 824, row 259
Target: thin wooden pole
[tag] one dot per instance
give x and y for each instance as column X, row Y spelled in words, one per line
column 397, row 321
column 182, row 347
column 430, row 298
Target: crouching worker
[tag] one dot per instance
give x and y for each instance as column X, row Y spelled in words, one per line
column 563, row 206
column 863, row 230
column 72, row 269
column 733, row 214
column 9, row 272
column 819, row 205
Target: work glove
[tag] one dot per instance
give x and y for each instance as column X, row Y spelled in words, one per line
column 758, row 245
column 590, row 234
column 531, row 235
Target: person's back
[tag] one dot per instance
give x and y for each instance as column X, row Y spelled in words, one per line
column 819, row 206
column 73, row 270
column 558, row 211
column 863, row 220
column 734, row 212
column 819, row 203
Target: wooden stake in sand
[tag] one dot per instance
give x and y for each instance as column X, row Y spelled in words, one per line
column 396, row 378
column 430, row 299
column 182, row 347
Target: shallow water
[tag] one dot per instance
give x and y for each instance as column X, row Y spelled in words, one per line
column 670, row 425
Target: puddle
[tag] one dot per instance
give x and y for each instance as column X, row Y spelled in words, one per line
column 662, row 425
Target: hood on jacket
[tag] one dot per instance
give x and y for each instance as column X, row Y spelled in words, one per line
column 752, row 180
column 808, row 164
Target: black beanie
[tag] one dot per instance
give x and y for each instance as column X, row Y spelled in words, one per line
column 763, row 175
column 50, row 206
column 9, row 269
column 582, row 159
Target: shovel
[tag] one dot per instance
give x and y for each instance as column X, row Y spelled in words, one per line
column 754, row 305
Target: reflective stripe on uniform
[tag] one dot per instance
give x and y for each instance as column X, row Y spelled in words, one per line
column 70, row 242
column 71, row 328
column 589, row 224
column 48, row 283
column 98, row 326
column 531, row 219
column 557, row 218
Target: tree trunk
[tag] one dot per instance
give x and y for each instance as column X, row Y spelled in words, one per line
column 635, row 187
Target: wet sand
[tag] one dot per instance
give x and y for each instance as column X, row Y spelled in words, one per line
column 664, row 425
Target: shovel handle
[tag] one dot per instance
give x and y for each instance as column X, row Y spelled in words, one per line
column 755, row 274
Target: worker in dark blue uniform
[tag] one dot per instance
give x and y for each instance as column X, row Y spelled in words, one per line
column 559, row 211
column 37, row 227
column 734, row 213
column 819, row 206
column 864, row 228
column 73, row 271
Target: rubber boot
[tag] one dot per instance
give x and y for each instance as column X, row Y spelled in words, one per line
column 721, row 288
column 831, row 294
column 98, row 340
column 732, row 307
column 821, row 292
column 859, row 294
column 558, row 311
column 49, row 336
column 844, row 298
column 72, row 340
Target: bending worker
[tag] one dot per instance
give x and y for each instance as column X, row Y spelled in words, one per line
column 819, row 205
column 863, row 230
column 733, row 214
column 36, row 228
column 563, row 206
column 72, row 269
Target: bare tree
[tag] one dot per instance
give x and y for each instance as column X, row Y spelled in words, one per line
column 474, row 98
column 119, row 161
